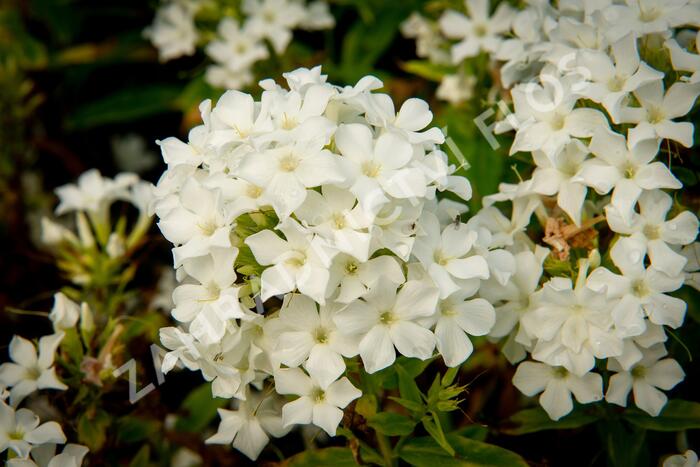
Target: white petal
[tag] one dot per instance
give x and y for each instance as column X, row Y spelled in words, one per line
column 327, row 417
column 377, row 349
column 452, row 343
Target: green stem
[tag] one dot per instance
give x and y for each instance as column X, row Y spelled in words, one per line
column 385, row 448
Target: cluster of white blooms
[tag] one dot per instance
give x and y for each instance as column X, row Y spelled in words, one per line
column 600, row 91
column 242, row 38
column 34, row 443
column 306, row 231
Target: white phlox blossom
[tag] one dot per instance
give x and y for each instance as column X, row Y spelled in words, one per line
column 293, row 220
column 29, row 372
column 238, row 43
column 602, row 94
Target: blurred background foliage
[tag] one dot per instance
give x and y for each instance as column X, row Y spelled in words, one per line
column 76, row 74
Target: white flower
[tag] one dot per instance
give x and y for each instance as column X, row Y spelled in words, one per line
column 655, row 117
column 557, row 384
column 689, row 459
column 378, row 167
column 65, row 312
column 692, row 267
column 354, row 279
column 299, row 262
column 30, row 372
column 237, row 48
column 573, row 324
column 612, row 81
column 93, row 193
column 318, row 403
column 173, row 31
column 478, row 32
column 455, row 320
column 287, row 171
column 456, row 89
column 309, row 336
column 317, row 16
column 20, row 431
column 516, row 298
column 196, row 219
column 335, row 215
column 546, row 117
column 208, row 306
column 683, row 60
column 644, row 380
column 409, row 122
column 643, row 17
column 642, row 291
column 651, row 228
column 557, row 176
column 45, row 456
column 446, row 256
column 274, row 19
column 384, row 319
column 247, row 427
column 625, row 168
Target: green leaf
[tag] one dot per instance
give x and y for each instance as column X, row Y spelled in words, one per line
column 201, row 407
column 678, row 415
column 624, row 443
column 410, row 405
column 366, row 405
column 470, row 151
column 534, row 420
column 132, row 429
column 425, row 69
column 92, row 429
column 449, row 376
column 407, row 386
column 424, row 452
column 125, row 105
column 477, row 432
column 142, row 457
column 391, row 424
column 337, row 457
column 434, row 429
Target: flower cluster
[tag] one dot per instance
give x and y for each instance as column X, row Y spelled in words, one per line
column 601, row 94
column 31, row 442
column 306, row 232
column 92, row 255
column 242, row 38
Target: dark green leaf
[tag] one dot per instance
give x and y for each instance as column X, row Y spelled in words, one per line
column 407, row 385
column 391, row 424
column 533, row 420
column 410, row 405
column 132, row 429
column 125, row 105
column 424, row 452
column 200, row 407
column 434, row 428
column 678, row 415
column 624, row 443
column 425, row 69
column 337, row 457
column 92, row 429
column 142, row 457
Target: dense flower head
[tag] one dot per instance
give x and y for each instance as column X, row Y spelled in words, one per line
column 602, row 94
column 307, row 231
column 244, row 35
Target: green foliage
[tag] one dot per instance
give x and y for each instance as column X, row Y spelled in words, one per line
column 129, row 104
column 200, row 408
column 337, row 457
column 92, row 428
column 424, row 452
column 391, row 424
column 536, row 419
column 678, row 415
